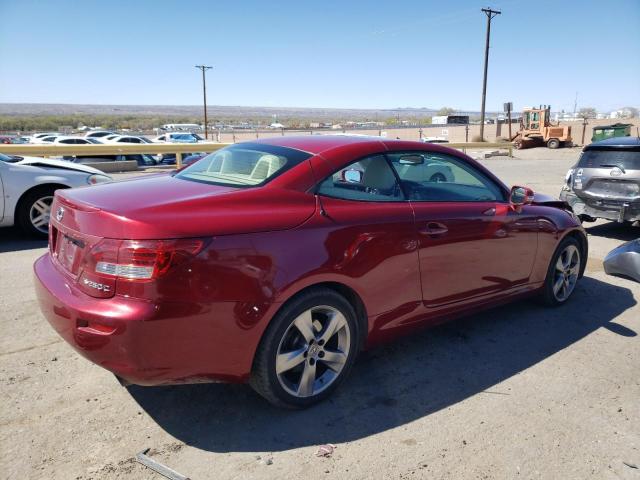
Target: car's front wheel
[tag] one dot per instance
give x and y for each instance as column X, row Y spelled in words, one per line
column 34, row 211
column 307, row 350
column 563, row 272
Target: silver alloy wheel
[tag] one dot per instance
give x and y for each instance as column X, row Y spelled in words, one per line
column 566, row 272
column 313, row 351
column 40, row 213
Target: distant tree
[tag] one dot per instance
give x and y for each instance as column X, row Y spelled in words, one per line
column 630, row 112
column 446, row 111
column 587, row 112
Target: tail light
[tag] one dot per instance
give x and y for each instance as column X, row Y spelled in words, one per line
column 111, row 262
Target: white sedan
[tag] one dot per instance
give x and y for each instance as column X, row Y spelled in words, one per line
column 27, row 185
column 127, row 139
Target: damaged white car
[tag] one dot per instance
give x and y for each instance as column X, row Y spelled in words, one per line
column 27, row 185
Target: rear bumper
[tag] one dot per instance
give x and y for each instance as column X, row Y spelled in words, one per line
column 618, row 211
column 149, row 343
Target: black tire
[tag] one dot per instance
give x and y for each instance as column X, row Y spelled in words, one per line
column 548, row 296
column 23, row 210
column 553, row 143
column 264, row 378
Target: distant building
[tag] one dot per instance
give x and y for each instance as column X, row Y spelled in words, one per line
column 622, row 113
column 180, row 127
column 450, row 120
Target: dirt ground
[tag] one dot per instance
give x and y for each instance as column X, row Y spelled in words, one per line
column 517, row 392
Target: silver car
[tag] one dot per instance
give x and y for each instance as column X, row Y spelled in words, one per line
column 624, row 260
column 605, row 183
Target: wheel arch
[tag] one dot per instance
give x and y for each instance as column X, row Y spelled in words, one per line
column 345, row 291
column 581, row 238
column 40, row 186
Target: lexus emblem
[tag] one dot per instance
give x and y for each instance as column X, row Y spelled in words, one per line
column 59, row 213
column 615, row 172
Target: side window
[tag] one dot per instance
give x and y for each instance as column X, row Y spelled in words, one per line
column 370, row 179
column 437, row 177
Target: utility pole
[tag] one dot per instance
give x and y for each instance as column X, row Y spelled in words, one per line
column 204, row 68
column 490, row 14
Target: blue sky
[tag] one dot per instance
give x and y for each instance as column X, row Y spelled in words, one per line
column 320, row 54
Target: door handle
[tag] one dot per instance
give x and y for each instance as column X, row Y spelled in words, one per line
column 434, row 229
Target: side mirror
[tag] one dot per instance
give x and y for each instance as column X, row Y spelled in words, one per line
column 521, row 196
column 352, row 176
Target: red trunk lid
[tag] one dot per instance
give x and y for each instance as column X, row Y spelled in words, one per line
column 162, row 206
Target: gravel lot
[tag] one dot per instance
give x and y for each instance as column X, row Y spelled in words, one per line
column 517, row 392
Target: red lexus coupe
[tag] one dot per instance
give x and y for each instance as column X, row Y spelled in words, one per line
column 275, row 262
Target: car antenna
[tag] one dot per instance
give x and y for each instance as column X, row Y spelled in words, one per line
column 323, row 212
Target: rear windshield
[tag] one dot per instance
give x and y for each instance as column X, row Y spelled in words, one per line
column 243, row 165
column 628, row 160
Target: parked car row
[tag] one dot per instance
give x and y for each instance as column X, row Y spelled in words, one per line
column 110, row 137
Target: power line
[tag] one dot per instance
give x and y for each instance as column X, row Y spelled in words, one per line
column 204, row 68
column 490, row 14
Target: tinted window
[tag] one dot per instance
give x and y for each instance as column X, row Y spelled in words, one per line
column 370, row 179
column 437, row 177
column 243, row 165
column 609, row 158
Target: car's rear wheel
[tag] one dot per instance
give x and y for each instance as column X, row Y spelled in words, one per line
column 34, row 211
column 307, row 350
column 553, row 143
column 563, row 273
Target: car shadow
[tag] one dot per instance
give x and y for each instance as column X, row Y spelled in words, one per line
column 614, row 230
column 13, row 239
column 394, row 384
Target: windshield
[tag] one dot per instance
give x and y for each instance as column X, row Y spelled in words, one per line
column 609, row 158
column 243, row 165
column 7, row 158
column 185, row 137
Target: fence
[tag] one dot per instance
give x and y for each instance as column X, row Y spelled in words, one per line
column 112, row 149
column 173, row 148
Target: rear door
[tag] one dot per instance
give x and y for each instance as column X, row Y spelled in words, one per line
column 471, row 244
